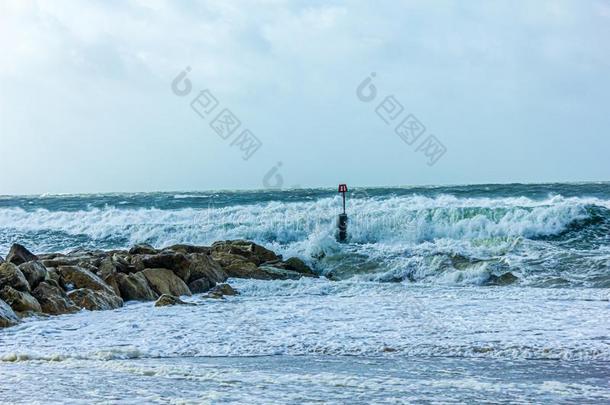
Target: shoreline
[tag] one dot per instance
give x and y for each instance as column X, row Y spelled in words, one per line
column 57, row 283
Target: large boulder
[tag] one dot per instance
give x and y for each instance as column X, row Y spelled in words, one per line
column 34, row 272
column 167, row 300
column 53, row 300
column 298, row 265
column 143, row 249
column 1, row 260
column 82, row 278
column 95, row 300
column 254, row 253
column 176, row 262
column 12, row 276
column 201, row 285
column 19, row 254
column 19, row 301
column 7, row 315
column 135, row 287
column 202, row 266
column 164, row 281
column 185, row 249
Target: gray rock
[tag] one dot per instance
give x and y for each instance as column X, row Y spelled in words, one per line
column 143, row 249
column 19, row 254
column 167, row 300
column 12, row 276
column 298, row 265
column 34, row 272
column 95, row 300
column 252, row 252
column 1, row 260
column 186, row 249
column 224, row 289
column 83, row 278
column 53, row 300
column 164, row 281
column 135, row 287
column 202, row 266
column 19, row 301
column 7, row 315
column 176, row 262
column 201, row 285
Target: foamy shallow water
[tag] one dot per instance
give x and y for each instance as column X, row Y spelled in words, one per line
column 320, row 339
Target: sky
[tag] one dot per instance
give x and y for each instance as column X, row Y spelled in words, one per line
column 487, row 92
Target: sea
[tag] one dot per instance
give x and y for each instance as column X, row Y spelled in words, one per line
column 440, row 295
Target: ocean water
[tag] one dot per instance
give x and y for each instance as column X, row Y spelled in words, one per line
column 491, row 293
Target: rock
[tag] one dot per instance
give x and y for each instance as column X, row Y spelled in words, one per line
column 53, row 300
column 245, row 269
column 224, row 289
column 176, row 262
column 95, row 300
column 112, row 281
column 254, row 253
column 83, row 278
column 186, row 249
column 1, row 260
column 504, row 279
column 106, row 268
column 53, row 275
column 135, row 287
column 201, row 285
column 34, row 272
column 275, row 273
column 298, row 265
column 164, row 281
column 143, row 249
column 19, row 254
column 12, row 276
column 19, row 301
column 7, row 315
column 202, row 266
column 166, row 300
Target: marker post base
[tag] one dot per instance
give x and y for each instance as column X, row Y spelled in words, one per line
column 342, row 225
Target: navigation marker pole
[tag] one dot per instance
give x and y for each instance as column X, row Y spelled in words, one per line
column 342, row 222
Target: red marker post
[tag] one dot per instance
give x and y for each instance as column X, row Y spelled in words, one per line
column 342, row 221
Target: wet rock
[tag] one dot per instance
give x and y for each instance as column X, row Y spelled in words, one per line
column 19, row 301
column 34, row 272
column 83, row 278
column 135, row 287
column 167, row 300
column 53, row 300
column 203, row 266
column 504, row 279
column 275, row 273
column 186, row 249
column 143, row 249
column 7, row 315
column 1, row 260
column 19, row 254
column 164, row 281
column 224, row 289
column 254, row 253
column 106, row 268
column 298, row 265
column 11, row 275
column 201, row 285
column 176, row 262
column 113, row 283
column 95, row 300
column 55, row 277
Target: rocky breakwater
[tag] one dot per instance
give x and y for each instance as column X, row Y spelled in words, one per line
column 57, row 283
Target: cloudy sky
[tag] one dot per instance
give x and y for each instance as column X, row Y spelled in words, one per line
column 514, row 91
